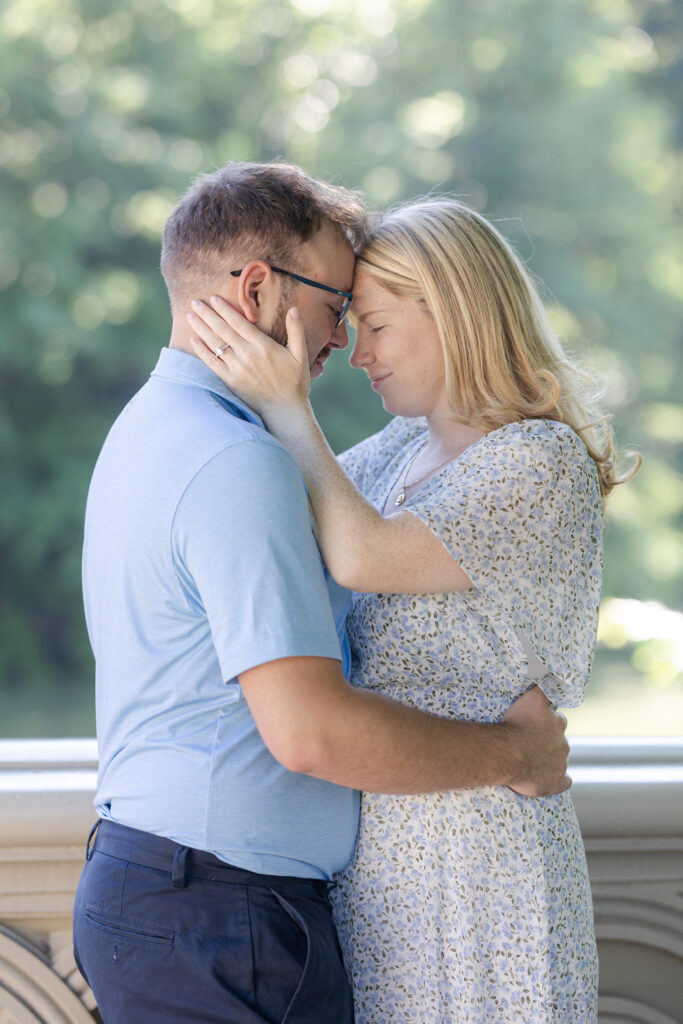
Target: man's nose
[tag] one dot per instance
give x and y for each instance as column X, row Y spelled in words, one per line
column 339, row 337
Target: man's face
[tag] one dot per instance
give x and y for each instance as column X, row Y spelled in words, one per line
column 328, row 258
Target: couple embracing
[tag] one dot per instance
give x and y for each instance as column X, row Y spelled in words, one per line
column 277, row 632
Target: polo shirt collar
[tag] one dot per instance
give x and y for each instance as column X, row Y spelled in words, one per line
column 183, row 368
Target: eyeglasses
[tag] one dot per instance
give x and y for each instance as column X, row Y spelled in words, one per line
column 348, row 296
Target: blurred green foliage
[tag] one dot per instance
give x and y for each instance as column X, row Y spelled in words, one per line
column 559, row 119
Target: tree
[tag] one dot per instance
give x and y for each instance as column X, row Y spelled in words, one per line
column 558, row 120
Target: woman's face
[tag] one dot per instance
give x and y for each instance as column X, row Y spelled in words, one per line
column 398, row 347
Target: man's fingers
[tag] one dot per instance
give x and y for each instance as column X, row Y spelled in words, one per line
column 561, row 786
column 534, row 790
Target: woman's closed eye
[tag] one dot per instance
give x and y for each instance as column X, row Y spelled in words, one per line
column 376, row 330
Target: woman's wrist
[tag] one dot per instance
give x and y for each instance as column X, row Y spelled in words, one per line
column 290, row 420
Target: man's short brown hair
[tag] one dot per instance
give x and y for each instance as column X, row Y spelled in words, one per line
column 251, row 211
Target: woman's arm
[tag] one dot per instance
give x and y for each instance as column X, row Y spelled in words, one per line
column 362, row 549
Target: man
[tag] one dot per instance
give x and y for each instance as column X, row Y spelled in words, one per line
column 231, row 745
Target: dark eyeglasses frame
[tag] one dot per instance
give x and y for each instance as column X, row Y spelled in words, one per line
column 348, row 296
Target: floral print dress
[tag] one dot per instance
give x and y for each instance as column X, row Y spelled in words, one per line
column 474, row 907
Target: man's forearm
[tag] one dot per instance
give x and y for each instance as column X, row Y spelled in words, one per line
column 315, row 723
column 380, row 746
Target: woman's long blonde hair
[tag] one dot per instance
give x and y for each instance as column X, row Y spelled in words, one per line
column 503, row 360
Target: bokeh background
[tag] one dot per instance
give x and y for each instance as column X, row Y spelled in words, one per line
column 561, row 120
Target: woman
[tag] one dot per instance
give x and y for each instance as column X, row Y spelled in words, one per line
column 475, row 555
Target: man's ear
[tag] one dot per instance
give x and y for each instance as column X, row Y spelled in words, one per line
column 258, row 292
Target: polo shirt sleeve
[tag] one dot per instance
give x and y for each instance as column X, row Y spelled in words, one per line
column 246, row 557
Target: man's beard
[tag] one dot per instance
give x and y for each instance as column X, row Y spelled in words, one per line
column 278, row 330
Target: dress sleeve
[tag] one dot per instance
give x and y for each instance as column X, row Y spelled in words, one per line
column 493, row 515
column 522, row 519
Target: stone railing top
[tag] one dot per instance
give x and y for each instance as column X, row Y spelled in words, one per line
column 621, row 786
column 625, row 750
column 24, row 755
column 617, row 751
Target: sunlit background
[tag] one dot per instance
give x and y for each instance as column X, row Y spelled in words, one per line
column 559, row 119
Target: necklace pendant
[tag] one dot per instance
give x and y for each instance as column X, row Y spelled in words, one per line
column 400, row 497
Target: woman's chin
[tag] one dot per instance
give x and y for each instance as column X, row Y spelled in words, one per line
column 406, row 408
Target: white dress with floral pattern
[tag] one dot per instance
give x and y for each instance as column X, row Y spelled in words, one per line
column 474, row 907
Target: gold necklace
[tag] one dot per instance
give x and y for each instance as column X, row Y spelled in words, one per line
column 401, row 496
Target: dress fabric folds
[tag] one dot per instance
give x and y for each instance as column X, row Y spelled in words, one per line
column 475, row 905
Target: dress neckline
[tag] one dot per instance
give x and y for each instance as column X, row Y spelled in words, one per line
column 411, row 451
column 408, row 451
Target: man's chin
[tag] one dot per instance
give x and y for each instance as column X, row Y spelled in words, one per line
column 317, row 368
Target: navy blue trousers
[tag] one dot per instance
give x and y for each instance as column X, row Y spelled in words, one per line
column 164, row 933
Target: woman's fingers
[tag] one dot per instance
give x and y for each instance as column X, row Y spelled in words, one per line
column 243, row 327
column 212, row 328
column 209, row 338
column 255, row 367
column 296, row 336
column 219, row 322
column 213, row 357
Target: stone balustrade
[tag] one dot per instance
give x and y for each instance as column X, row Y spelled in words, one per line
column 628, row 795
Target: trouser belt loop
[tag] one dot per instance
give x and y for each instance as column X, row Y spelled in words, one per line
column 89, row 850
column 178, row 869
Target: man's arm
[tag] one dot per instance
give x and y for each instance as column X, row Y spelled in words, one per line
column 314, row 722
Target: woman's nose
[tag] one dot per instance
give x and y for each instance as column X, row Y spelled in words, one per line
column 360, row 356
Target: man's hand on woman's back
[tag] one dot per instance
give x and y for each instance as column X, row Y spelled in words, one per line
column 541, row 743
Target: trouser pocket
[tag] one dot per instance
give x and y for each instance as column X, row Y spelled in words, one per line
column 323, row 986
column 119, row 930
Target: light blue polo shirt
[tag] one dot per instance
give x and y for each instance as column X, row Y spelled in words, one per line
column 199, row 563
